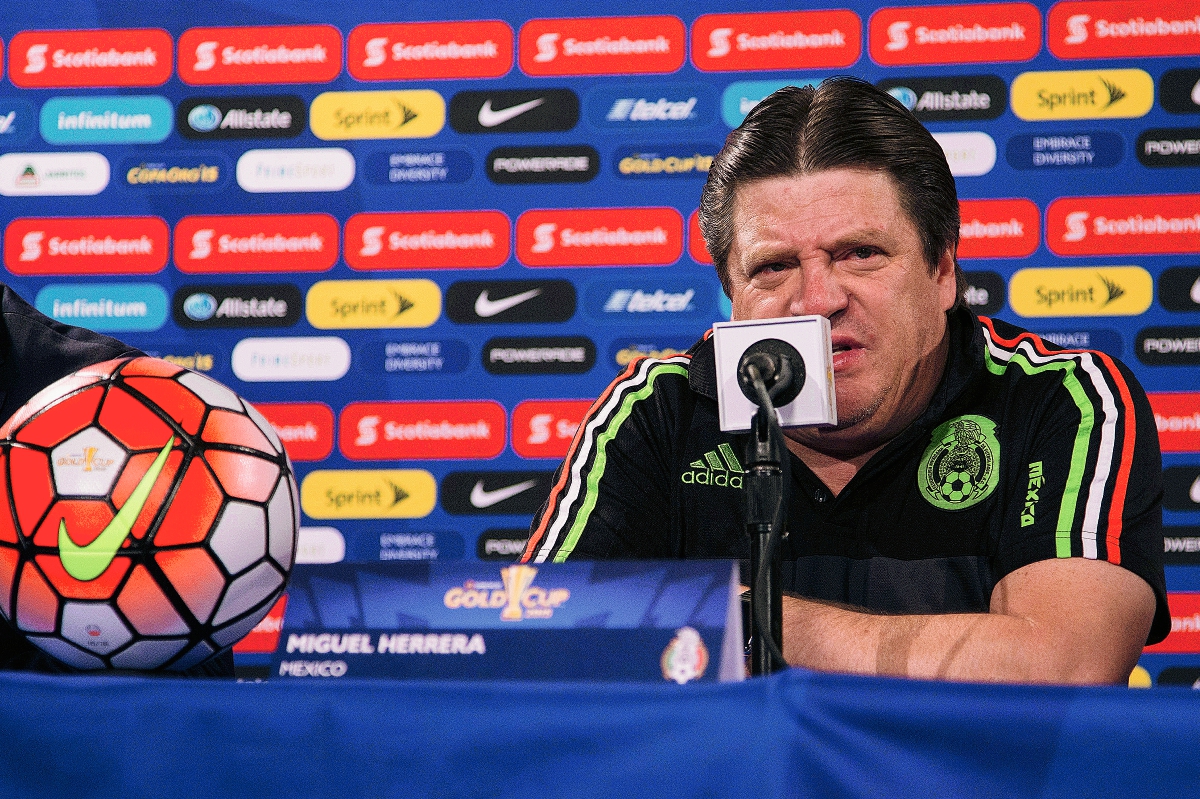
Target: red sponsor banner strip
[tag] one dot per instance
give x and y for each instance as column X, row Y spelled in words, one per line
column 87, row 245
column 600, row 237
column 428, row 240
column 1124, row 29
column 90, row 58
column 1147, row 224
column 544, row 428
column 425, row 50
column 966, row 34
column 1184, row 637
column 602, row 46
column 776, row 40
column 998, row 228
column 696, row 246
column 422, row 430
column 264, row 638
column 256, row 243
column 305, row 428
column 1177, row 417
column 268, row 54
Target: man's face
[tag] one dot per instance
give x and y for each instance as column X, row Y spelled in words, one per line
column 837, row 243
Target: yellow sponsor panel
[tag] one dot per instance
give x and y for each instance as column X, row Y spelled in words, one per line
column 1083, row 94
column 409, row 114
column 1081, row 291
column 368, row 494
column 363, row 304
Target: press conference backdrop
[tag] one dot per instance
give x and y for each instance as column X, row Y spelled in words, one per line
column 423, row 236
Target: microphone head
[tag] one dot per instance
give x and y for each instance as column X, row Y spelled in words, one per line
column 779, row 365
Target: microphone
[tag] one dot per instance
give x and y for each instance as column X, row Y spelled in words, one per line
column 780, row 367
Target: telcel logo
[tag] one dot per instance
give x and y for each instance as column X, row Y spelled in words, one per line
column 1123, row 29
column 411, row 114
column 424, row 50
column 601, row 46
column 964, row 34
column 998, row 228
column 114, row 245
column 515, row 595
column 422, row 430
column 362, row 304
column 1099, row 94
column 1081, row 291
column 259, row 243
column 1136, row 224
column 421, row 240
column 776, row 40
column 599, row 237
column 545, row 428
column 269, row 54
column 368, row 494
column 90, row 58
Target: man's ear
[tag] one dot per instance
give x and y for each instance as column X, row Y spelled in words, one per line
column 946, row 276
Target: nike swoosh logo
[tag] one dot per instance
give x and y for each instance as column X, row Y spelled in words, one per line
column 487, row 307
column 490, row 119
column 89, row 562
column 486, row 499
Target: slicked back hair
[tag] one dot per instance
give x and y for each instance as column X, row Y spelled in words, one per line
column 844, row 123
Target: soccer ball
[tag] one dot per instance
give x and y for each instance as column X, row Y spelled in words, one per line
column 957, row 486
column 148, row 518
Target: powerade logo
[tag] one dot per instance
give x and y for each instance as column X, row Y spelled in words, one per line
column 540, row 355
column 1174, row 345
column 739, row 98
column 242, row 305
column 1172, row 147
column 112, row 307
column 665, row 161
column 253, row 117
column 648, row 105
column 1085, row 149
column 146, row 119
column 610, row 301
column 558, row 164
column 16, row 122
column 950, row 99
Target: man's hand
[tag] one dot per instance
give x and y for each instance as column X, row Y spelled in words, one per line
column 1069, row 620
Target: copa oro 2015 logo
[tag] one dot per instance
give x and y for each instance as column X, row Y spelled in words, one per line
column 515, row 595
column 368, row 494
column 1081, row 291
column 1083, row 94
column 409, row 114
column 362, row 304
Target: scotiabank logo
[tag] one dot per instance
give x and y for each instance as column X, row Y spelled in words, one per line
column 264, row 637
column 1185, row 625
column 266, row 243
column 600, row 237
column 601, row 46
column 968, row 34
column 696, row 246
column 421, row 240
column 305, row 428
column 422, row 430
column 423, row 50
column 544, row 428
column 1134, row 225
column 60, row 59
column 270, row 54
column 1177, row 417
column 113, row 245
column 778, row 40
column 1123, row 29
column 998, row 228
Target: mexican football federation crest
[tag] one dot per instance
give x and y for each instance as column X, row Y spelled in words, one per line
column 961, row 465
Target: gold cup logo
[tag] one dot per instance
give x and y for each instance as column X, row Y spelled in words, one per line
column 516, row 580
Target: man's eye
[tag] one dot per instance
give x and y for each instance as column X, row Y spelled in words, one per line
column 864, row 252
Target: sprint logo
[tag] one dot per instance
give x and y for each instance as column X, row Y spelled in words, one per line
column 718, row 467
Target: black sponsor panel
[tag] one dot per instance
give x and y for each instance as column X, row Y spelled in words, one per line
column 198, row 307
column 1181, row 546
column 494, row 493
column 275, row 116
column 501, row 545
column 951, row 99
column 510, row 301
column 986, row 292
column 1181, row 488
column 1179, row 91
column 1180, row 676
column 1173, row 345
column 1179, row 288
column 1159, row 147
column 514, row 111
column 539, row 355
column 559, row 164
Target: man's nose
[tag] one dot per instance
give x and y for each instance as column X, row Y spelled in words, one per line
column 820, row 292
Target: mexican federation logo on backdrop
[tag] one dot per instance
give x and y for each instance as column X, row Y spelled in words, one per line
column 961, row 465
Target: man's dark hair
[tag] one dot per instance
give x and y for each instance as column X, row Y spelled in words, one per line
column 844, row 123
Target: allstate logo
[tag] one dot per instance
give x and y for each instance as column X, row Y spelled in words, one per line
column 204, row 118
column 906, row 96
column 200, row 307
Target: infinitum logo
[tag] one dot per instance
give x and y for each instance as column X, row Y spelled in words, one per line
column 776, row 40
column 1133, row 225
column 263, row 243
column 428, row 240
column 718, row 467
column 145, row 119
column 410, row 114
column 113, row 245
column 600, row 237
column 270, row 54
column 601, row 46
column 998, row 228
column 422, row 430
column 424, row 50
column 373, row 304
column 1177, row 417
column 967, row 34
column 111, row 307
column 544, row 428
column 1123, row 29
column 1099, row 94
column 90, row 58
column 1082, row 291
column 368, row 494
